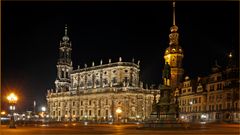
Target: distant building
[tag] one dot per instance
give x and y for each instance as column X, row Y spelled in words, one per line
column 97, row 92
column 214, row 98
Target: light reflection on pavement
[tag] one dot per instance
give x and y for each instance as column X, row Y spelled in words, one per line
column 73, row 129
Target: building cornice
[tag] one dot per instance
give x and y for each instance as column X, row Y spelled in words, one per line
column 116, row 64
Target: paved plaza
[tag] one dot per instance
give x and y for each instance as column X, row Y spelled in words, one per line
column 73, row 129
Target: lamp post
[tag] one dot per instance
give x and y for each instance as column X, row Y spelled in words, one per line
column 66, row 117
column 191, row 114
column 43, row 108
column 12, row 99
column 118, row 111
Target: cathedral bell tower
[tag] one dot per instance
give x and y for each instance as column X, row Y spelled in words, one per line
column 64, row 64
column 174, row 55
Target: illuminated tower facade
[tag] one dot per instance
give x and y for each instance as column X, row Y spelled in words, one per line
column 64, row 64
column 174, row 55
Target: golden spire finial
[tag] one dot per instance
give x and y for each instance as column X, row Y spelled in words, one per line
column 174, row 12
column 174, row 28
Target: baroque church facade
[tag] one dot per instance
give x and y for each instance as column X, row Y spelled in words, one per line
column 105, row 92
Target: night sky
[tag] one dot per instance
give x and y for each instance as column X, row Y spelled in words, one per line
column 31, row 32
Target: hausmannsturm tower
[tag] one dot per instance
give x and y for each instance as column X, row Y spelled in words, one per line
column 174, row 55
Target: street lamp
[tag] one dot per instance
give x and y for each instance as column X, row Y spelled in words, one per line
column 190, row 102
column 138, row 118
column 12, row 99
column 43, row 109
column 66, row 117
column 118, row 111
column 191, row 114
column 3, row 113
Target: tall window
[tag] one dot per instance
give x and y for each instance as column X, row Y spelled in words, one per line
column 66, row 74
column 219, row 86
column 81, row 102
column 89, row 83
column 81, row 84
column 81, row 112
column 97, row 82
column 228, row 96
column 62, row 74
column 73, row 103
column 99, row 112
column 228, row 105
column 105, row 81
column 90, row 112
column 126, row 79
column 106, row 112
column 106, row 102
column 90, row 102
column 114, row 80
column 211, row 87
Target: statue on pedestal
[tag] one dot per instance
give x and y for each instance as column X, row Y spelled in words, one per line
column 166, row 75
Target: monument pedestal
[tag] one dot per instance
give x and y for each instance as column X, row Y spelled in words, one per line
column 165, row 112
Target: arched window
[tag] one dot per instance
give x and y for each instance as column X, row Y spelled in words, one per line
column 81, row 84
column 106, row 112
column 66, row 74
column 90, row 102
column 105, row 81
column 106, row 102
column 114, row 80
column 97, row 82
column 99, row 112
column 89, row 83
column 90, row 112
column 62, row 73
column 126, row 79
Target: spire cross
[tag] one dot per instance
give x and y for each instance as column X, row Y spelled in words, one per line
column 65, row 29
column 174, row 12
